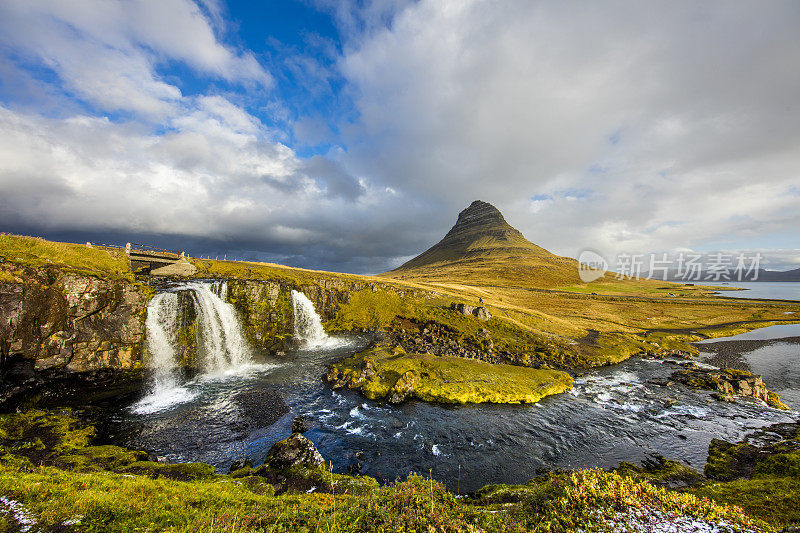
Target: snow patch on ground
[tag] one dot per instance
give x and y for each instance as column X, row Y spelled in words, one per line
column 16, row 512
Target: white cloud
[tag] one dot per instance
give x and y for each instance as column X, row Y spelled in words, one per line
column 108, row 53
column 679, row 120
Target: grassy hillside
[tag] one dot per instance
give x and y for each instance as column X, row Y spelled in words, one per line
column 35, row 252
column 576, row 324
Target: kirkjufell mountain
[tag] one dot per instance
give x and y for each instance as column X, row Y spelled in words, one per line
column 482, row 248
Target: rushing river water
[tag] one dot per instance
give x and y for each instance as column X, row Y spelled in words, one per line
column 621, row 413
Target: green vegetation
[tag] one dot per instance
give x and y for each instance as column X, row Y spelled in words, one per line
column 772, row 499
column 381, row 372
column 661, row 472
column 71, row 485
column 762, row 476
column 35, row 252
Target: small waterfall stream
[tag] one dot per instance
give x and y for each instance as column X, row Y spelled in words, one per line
column 221, row 346
column 162, row 315
column 222, row 343
column 307, row 323
column 308, row 329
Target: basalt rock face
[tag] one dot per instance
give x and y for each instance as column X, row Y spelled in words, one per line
column 265, row 307
column 57, row 322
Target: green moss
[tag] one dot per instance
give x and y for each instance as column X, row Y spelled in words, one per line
column 177, row 471
column 371, row 310
column 772, row 499
column 41, row 435
column 780, row 465
column 104, row 457
column 447, row 379
column 662, row 472
column 723, row 462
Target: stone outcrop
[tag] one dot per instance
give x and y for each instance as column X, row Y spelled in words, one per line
column 77, row 323
column 403, row 388
column 481, row 313
column 55, row 322
column 294, row 451
column 439, row 339
column 728, row 383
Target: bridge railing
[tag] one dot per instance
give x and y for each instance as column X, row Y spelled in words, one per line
column 136, row 247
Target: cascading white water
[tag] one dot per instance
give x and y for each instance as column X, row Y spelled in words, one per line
column 162, row 318
column 223, row 344
column 308, row 325
column 161, row 325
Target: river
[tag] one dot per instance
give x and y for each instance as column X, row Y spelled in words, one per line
column 620, row 413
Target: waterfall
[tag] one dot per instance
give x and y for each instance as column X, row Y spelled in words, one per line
column 162, row 318
column 308, row 325
column 222, row 343
column 221, row 346
column 161, row 325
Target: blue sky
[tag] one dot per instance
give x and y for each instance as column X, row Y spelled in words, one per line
column 348, row 135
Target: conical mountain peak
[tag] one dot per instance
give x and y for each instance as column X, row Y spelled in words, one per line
column 482, row 246
column 480, row 217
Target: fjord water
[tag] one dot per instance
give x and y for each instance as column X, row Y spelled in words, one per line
column 771, row 290
column 612, row 415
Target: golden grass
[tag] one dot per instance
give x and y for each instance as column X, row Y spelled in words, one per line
column 36, row 252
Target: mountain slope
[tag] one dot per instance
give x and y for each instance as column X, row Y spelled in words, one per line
column 482, row 248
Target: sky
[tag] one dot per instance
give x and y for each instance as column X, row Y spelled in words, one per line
column 347, row 135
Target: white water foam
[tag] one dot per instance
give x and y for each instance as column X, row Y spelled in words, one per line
column 222, row 349
column 223, row 343
column 308, row 329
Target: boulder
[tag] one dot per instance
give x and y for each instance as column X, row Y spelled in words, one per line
column 240, row 464
column 296, row 450
column 403, row 388
column 727, row 383
column 480, row 312
column 300, row 424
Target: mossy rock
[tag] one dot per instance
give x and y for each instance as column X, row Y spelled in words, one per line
column 105, row 457
column 257, row 485
column 177, row 471
column 779, row 465
column 662, row 472
column 242, row 472
column 396, row 376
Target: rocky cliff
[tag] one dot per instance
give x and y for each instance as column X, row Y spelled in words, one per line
column 265, row 307
column 54, row 322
